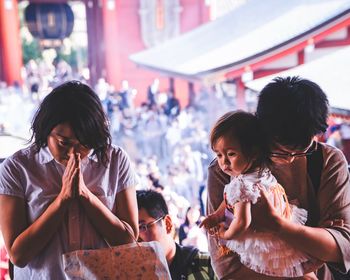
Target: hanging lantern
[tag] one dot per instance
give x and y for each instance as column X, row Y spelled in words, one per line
column 49, row 20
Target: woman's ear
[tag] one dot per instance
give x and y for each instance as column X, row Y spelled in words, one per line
column 168, row 224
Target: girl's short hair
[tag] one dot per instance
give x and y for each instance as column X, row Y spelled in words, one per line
column 245, row 128
column 77, row 104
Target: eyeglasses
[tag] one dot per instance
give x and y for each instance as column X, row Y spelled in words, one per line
column 308, row 152
column 145, row 227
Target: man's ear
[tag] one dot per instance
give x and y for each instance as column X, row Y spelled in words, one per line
column 168, row 224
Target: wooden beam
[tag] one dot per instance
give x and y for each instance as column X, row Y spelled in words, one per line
column 266, row 72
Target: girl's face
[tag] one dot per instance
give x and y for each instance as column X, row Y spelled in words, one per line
column 230, row 157
column 62, row 142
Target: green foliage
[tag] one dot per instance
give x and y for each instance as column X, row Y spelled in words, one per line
column 31, row 50
column 72, row 58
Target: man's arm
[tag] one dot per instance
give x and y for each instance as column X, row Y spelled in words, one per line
column 317, row 242
column 325, row 242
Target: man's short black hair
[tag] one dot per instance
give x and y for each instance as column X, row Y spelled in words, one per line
column 292, row 110
column 153, row 202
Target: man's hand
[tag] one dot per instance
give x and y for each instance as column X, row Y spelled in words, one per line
column 264, row 215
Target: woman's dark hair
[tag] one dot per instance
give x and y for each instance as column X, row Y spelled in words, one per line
column 292, row 111
column 153, row 202
column 245, row 128
column 77, row 104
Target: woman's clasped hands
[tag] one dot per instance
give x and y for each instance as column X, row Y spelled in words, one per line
column 73, row 185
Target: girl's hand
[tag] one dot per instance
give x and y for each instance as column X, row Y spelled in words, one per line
column 210, row 221
column 224, row 233
column 69, row 179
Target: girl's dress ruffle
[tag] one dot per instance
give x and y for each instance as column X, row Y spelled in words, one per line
column 262, row 252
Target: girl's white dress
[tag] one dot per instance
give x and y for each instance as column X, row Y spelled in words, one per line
column 260, row 251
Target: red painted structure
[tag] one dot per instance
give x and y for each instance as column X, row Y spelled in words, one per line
column 10, row 45
column 122, row 37
column 114, row 33
column 255, row 64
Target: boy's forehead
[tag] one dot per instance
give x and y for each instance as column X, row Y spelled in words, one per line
column 143, row 215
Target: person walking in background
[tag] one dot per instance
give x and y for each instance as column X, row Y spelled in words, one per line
column 71, row 189
column 291, row 112
column 155, row 224
column 190, row 233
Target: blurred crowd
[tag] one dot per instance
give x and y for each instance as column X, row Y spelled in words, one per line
column 168, row 144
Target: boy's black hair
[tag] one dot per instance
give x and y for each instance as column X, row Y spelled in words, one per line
column 292, row 110
column 77, row 104
column 244, row 127
column 153, row 202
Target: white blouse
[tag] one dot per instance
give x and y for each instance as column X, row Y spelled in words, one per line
column 37, row 178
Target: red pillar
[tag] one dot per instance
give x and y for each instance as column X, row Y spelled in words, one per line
column 10, row 49
column 111, row 42
column 95, row 41
column 240, row 94
column 301, row 57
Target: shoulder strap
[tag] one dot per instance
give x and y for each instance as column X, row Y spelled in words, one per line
column 315, row 166
column 314, row 170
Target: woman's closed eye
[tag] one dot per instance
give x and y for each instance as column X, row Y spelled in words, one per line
column 231, row 154
column 64, row 143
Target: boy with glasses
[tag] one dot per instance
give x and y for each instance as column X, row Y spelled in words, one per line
column 292, row 111
column 155, row 224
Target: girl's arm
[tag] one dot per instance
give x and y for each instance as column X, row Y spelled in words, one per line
column 23, row 242
column 240, row 223
column 215, row 218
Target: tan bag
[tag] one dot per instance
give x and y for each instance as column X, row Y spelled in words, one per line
column 138, row 260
